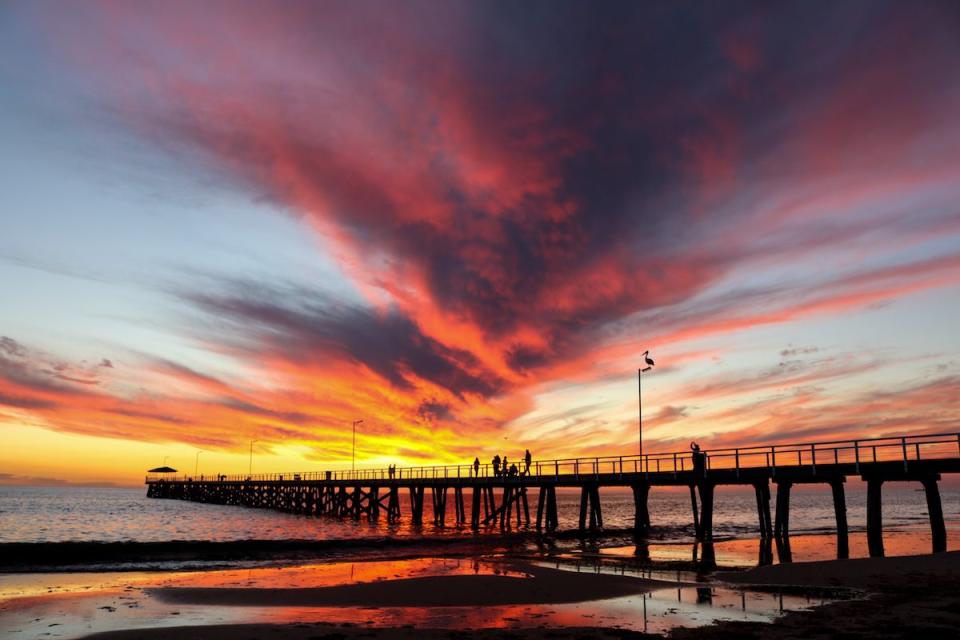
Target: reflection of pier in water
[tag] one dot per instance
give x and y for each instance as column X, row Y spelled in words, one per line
column 372, row 492
column 691, row 596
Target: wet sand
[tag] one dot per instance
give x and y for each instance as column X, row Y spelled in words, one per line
column 904, row 597
column 860, row 573
column 901, row 597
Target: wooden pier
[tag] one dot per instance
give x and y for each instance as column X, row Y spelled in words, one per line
column 502, row 501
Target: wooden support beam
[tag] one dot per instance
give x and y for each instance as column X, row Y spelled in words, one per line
column 584, row 498
column 596, row 515
column 875, row 517
column 781, row 528
column 762, row 490
column 766, row 552
column 393, row 504
column 510, row 498
column 504, row 512
column 708, row 556
column 526, row 507
column 783, row 549
column 515, row 512
column 420, row 503
column 641, row 511
column 696, row 511
column 541, row 499
column 475, row 511
column 935, row 508
column 441, row 518
column 840, row 510
column 356, row 502
column 552, row 509
column 458, row 503
column 416, row 505
column 706, row 511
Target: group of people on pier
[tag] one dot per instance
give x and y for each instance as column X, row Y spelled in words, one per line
column 502, row 468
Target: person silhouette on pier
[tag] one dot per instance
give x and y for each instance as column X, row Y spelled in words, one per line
column 699, row 460
column 504, row 466
column 513, row 471
column 496, row 465
column 476, row 467
column 527, row 458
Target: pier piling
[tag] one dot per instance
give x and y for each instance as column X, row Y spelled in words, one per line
column 875, row 517
column 935, row 510
column 840, row 510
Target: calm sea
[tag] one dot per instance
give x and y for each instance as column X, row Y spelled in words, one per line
column 54, row 514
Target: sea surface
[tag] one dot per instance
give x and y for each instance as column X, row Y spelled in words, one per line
column 74, row 602
column 58, row 514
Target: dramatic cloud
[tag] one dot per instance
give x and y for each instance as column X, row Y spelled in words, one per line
column 306, row 328
column 523, row 194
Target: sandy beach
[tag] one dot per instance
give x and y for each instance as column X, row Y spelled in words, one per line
column 885, row 598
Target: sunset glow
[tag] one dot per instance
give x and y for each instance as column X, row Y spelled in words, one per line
column 463, row 223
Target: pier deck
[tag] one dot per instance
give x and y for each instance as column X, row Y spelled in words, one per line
column 371, row 493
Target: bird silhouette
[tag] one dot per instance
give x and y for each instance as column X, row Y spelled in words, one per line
column 647, row 358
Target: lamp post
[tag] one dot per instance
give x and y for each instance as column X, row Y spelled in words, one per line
column 648, row 361
column 196, row 463
column 353, row 456
column 250, row 468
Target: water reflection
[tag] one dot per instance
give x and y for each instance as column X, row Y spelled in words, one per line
column 704, row 595
column 129, row 605
column 746, row 553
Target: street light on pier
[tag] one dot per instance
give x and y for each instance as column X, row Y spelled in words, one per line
column 196, row 463
column 353, row 456
column 648, row 361
column 250, row 468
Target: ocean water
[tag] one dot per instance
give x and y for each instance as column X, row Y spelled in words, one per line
column 56, row 514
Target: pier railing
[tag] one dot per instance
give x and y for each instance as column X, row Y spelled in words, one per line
column 905, row 449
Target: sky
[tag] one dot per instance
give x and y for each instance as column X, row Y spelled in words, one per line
column 463, row 223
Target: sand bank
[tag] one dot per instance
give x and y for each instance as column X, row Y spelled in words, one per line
column 541, row 586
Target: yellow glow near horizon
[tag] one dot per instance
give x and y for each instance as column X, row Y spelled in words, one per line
column 35, row 455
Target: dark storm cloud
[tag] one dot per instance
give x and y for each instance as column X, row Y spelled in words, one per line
column 306, row 327
column 539, row 166
column 511, row 186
